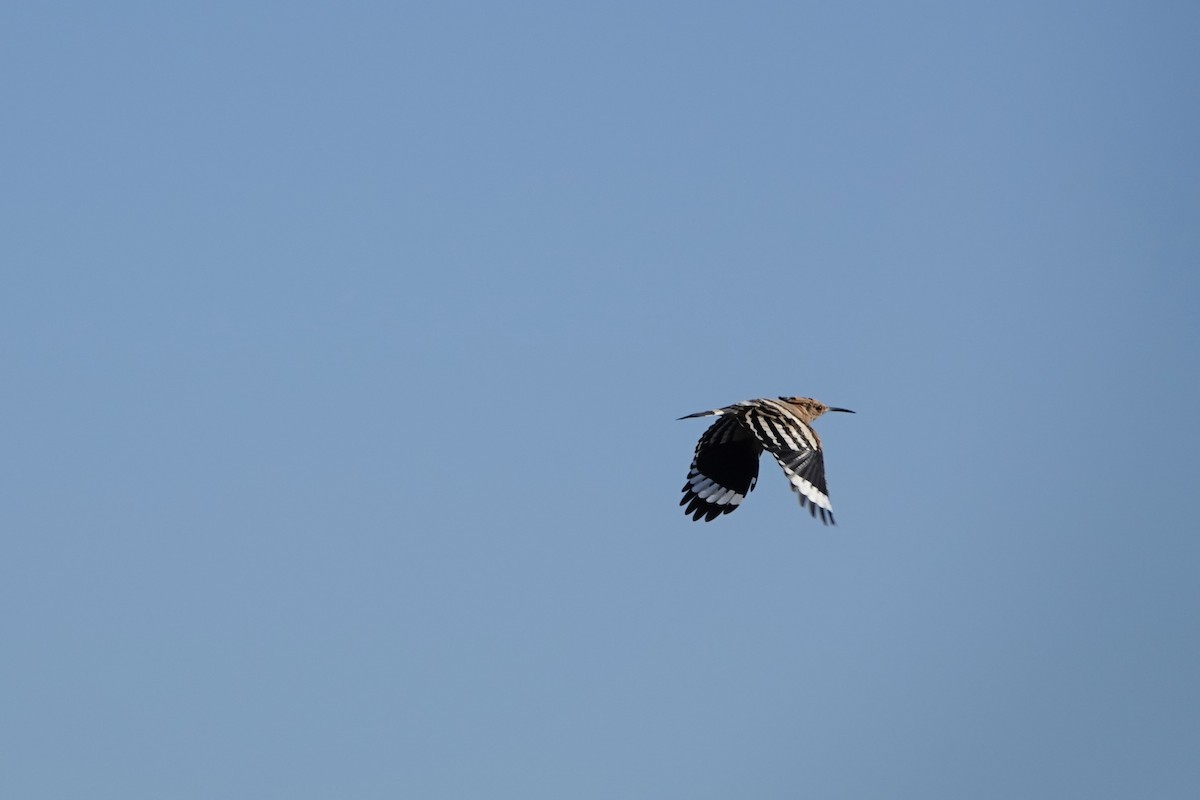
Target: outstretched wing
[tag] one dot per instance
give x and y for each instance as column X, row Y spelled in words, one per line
column 805, row 470
column 795, row 445
column 724, row 470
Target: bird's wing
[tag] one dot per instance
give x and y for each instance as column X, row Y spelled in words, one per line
column 795, row 445
column 724, row 470
column 805, row 470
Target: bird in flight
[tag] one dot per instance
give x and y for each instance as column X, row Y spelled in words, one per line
column 725, row 467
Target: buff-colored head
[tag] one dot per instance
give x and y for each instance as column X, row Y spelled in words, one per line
column 810, row 409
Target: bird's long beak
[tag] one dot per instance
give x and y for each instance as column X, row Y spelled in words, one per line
column 843, row 410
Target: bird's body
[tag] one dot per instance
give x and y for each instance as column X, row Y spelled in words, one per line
column 725, row 466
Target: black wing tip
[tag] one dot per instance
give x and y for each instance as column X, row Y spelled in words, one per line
column 816, row 511
column 697, row 507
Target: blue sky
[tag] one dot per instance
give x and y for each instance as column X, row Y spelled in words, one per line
column 343, row 348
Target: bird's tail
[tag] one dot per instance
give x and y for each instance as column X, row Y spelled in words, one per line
column 715, row 412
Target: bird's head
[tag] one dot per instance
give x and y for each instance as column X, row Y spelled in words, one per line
column 811, row 409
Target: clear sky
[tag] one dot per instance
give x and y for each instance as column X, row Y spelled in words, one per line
column 343, row 346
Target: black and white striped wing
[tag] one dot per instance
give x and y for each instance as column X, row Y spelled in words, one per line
column 797, row 449
column 724, row 470
column 805, row 470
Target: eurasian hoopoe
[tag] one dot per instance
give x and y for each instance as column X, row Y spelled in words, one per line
column 725, row 467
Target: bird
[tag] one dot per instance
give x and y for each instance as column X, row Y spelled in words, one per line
column 725, row 466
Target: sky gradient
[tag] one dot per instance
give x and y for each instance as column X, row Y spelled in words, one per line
column 343, row 348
